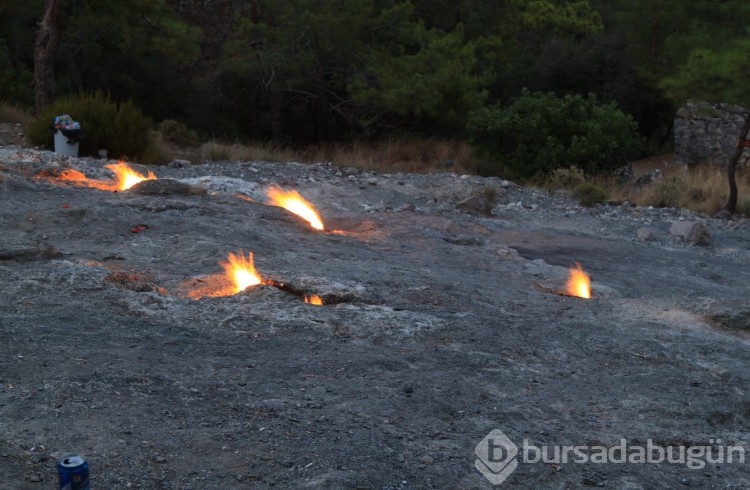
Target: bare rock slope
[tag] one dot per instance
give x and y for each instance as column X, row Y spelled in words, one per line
column 443, row 319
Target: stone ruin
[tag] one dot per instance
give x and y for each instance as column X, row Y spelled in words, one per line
column 706, row 133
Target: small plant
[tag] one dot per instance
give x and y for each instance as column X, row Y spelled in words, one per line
column 565, row 178
column 589, row 194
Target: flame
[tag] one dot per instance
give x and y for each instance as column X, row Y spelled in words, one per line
column 126, row 176
column 241, row 271
column 579, row 283
column 71, row 175
column 78, row 178
column 293, row 202
column 313, row 299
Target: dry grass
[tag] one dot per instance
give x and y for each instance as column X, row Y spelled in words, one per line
column 397, row 155
column 14, row 114
column 403, row 155
column 235, row 152
column 703, row 189
column 222, row 151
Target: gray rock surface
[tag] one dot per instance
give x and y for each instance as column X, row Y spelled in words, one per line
column 707, row 133
column 438, row 326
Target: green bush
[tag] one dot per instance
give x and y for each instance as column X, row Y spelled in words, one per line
column 121, row 128
column 589, row 194
column 537, row 133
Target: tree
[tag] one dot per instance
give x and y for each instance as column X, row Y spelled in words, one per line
column 19, row 22
column 713, row 75
column 433, row 79
column 45, row 49
column 309, row 67
column 742, row 143
column 136, row 50
column 284, row 68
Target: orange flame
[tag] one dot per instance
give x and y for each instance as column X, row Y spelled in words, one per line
column 313, row 299
column 126, row 176
column 71, row 175
column 79, row 178
column 579, row 283
column 241, row 271
column 293, row 202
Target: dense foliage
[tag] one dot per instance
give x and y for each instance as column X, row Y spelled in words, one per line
column 329, row 70
column 537, row 133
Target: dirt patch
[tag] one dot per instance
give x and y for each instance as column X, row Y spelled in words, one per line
column 434, row 331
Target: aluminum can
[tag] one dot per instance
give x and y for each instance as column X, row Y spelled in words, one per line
column 73, row 471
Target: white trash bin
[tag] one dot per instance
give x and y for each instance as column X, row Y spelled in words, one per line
column 65, row 146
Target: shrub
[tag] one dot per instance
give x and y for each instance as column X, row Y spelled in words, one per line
column 178, row 134
column 537, row 133
column 589, row 194
column 565, row 178
column 121, row 128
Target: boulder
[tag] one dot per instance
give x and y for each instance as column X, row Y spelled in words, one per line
column 692, row 232
column 645, row 234
column 166, row 187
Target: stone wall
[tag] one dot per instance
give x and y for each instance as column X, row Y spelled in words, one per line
column 707, row 133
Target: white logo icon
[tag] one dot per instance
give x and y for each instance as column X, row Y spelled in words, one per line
column 496, row 457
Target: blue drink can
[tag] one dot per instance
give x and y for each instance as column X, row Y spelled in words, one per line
column 74, row 473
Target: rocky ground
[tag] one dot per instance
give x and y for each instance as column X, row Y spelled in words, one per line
column 443, row 320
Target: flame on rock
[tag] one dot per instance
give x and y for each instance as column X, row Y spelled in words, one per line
column 241, row 271
column 126, row 176
column 313, row 299
column 294, row 203
column 579, row 283
column 78, row 178
column 71, row 175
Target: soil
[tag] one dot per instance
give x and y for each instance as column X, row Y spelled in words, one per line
column 443, row 319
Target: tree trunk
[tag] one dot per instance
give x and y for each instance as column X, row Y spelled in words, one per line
column 742, row 143
column 45, row 48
